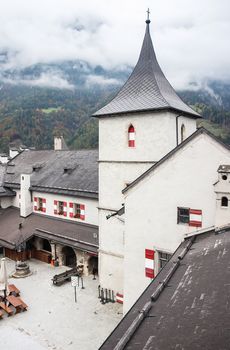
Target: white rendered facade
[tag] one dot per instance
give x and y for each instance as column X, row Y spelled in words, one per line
column 184, row 180
column 156, row 134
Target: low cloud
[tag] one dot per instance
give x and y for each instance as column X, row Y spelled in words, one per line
column 101, row 80
column 44, row 80
column 191, row 37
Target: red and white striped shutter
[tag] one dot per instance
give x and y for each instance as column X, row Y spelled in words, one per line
column 119, row 298
column 149, row 263
column 131, row 134
column 65, row 208
column 71, row 210
column 43, row 205
column 82, row 211
column 55, row 207
column 195, row 217
column 35, row 203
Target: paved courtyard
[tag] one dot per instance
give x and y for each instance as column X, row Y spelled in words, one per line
column 54, row 320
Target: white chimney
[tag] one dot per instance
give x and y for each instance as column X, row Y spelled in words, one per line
column 222, row 189
column 26, row 207
column 59, row 143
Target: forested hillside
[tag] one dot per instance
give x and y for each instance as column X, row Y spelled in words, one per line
column 32, row 115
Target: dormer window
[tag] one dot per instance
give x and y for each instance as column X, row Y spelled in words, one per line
column 131, row 136
column 224, row 202
column 182, row 130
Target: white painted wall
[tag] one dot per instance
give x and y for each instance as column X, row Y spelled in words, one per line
column 91, row 211
column 155, row 136
column 6, row 202
column 119, row 165
column 17, row 199
column 4, row 158
column 185, row 180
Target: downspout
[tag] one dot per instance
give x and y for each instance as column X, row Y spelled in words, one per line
column 177, row 136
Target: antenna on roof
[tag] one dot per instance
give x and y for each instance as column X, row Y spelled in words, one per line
column 148, row 20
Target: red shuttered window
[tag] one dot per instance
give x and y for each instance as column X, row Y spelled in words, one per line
column 131, row 136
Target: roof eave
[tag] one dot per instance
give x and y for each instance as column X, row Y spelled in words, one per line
column 118, row 114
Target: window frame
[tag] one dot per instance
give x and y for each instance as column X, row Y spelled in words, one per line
column 39, row 204
column 179, row 216
column 163, row 260
column 77, row 210
column 60, row 207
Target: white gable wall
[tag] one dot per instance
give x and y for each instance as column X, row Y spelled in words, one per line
column 184, row 180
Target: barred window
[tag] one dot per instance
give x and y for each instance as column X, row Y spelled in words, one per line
column 163, row 259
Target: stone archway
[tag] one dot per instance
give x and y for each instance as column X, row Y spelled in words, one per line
column 93, row 265
column 46, row 245
column 69, row 257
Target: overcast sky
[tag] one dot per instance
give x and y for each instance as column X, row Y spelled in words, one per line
column 191, row 37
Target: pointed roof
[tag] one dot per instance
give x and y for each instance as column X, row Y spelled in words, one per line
column 147, row 89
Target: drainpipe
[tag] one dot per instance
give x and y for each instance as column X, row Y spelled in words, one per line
column 177, row 136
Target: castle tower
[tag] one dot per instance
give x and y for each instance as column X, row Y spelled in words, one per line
column 144, row 121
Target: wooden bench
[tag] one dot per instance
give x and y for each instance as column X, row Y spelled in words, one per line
column 23, row 305
column 15, row 302
column 6, row 308
column 13, row 290
column 64, row 276
column 1, row 314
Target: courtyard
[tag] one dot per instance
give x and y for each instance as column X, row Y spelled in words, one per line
column 54, row 320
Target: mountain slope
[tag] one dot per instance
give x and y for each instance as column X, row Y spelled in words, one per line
column 43, row 100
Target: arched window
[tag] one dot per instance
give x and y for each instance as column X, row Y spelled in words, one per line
column 131, row 136
column 224, row 202
column 182, row 131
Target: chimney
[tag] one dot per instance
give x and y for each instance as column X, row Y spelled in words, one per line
column 59, row 144
column 26, row 207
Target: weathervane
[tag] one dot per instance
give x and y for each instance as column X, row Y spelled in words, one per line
column 148, row 13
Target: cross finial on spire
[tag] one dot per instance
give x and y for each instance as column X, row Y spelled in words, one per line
column 148, row 13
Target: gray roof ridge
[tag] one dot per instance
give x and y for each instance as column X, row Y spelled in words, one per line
column 61, row 188
column 199, row 131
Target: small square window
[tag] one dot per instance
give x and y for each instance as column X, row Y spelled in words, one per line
column 163, row 259
column 183, row 215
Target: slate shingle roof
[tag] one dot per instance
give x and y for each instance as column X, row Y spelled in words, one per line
column 70, row 172
column 147, row 88
column 192, row 310
column 77, row 235
column 4, row 192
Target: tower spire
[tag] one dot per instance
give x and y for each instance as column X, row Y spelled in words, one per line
column 147, row 20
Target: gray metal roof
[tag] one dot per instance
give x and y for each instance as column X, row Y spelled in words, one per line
column 187, row 304
column 4, row 192
column 224, row 168
column 147, row 89
column 78, row 235
column 70, row 172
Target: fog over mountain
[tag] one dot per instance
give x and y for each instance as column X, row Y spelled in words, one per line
column 191, row 38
